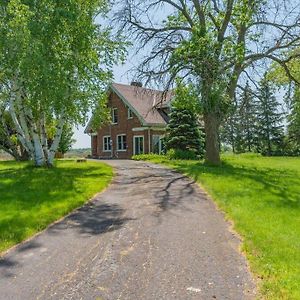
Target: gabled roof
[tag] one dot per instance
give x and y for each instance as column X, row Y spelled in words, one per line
column 147, row 104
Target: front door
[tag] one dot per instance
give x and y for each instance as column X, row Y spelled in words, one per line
column 138, row 145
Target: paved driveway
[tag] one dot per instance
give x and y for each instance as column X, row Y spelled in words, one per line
column 152, row 234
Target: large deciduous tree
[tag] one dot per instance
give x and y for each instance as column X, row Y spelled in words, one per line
column 213, row 43
column 55, row 62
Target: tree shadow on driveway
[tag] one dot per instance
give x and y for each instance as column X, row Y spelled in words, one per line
column 93, row 219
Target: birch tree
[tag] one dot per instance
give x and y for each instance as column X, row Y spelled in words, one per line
column 55, row 63
column 213, row 43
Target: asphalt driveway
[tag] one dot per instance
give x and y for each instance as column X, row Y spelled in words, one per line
column 153, row 234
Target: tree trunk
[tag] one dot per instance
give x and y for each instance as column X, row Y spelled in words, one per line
column 57, row 138
column 211, row 123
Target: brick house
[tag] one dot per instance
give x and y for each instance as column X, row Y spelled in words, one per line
column 139, row 119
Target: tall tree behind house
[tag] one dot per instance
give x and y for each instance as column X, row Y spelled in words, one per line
column 247, row 118
column 270, row 129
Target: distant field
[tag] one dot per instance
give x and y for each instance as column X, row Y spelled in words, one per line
column 262, row 196
column 73, row 153
column 5, row 156
column 32, row 198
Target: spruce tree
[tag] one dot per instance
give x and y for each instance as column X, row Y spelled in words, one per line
column 269, row 120
column 229, row 132
column 247, row 121
column 183, row 131
column 294, row 124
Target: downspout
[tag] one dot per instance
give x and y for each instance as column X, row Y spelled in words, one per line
column 149, row 142
column 112, row 144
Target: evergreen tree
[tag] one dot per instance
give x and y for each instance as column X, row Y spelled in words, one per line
column 183, row 130
column 269, row 121
column 229, row 132
column 239, row 129
column 294, row 124
column 247, row 121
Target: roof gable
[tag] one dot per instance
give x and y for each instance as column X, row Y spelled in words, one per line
column 145, row 103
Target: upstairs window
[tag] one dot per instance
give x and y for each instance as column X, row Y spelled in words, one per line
column 121, row 142
column 106, row 143
column 115, row 116
column 129, row 113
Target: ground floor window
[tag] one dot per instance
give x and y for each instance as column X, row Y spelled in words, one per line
column 121, row 142
column 138, row 145
column 158, row 144
column 106, row 143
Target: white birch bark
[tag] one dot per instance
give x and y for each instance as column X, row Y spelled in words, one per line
column 57, row 137
column 23, row 138
column 39, row 156
column 44, row 138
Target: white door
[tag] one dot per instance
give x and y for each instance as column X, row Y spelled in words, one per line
column 138, row 145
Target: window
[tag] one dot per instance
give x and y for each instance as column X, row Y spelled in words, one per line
column 138, row 145
column 115, row 116
column 157, row 144
column 121, row 142
column 129, row 113
column 106, row 143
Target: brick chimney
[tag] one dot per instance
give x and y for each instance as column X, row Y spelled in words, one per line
column 136, row 83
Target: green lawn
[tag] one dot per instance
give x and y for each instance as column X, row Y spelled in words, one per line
column 32, row 198
column 262, row 196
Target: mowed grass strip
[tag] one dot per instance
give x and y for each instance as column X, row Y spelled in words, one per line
column 262, row 197
column 32, row 198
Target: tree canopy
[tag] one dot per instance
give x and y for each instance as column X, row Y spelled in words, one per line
column 55, row 63
column 213, row 44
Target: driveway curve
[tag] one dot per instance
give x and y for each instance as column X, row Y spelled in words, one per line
column 152, row 235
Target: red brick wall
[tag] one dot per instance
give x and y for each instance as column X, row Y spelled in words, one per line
column 94, row 146
column 124, row 126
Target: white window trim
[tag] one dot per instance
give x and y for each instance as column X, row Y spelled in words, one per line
column 114, row 123
column 121, row 150
column 138, row 136
column 106, row 136
column 159, row 142
column 128, row 114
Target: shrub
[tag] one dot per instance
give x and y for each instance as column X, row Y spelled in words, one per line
column 150, row 156
column 182, row 154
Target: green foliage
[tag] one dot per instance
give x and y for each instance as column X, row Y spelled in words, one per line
column 261, row 196
column 182, row 154
column 32, row 198
column 239, row 130
column 183, row 130
column 147, row 157
column 277, row 75
column 56, row 56
column 293, row 142
column 256, row 125
column 269, row 121
column 66, row 140
column 8, row 138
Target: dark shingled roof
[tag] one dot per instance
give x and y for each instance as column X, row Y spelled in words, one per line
column 147, row 103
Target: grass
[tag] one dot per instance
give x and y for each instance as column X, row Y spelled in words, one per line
column 32, row 198
column 262, row 197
